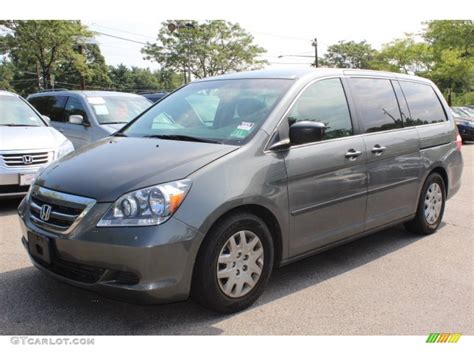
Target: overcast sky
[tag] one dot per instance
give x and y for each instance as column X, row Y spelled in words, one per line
column 282, row 28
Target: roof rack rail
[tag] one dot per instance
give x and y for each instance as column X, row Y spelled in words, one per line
column 51, row 90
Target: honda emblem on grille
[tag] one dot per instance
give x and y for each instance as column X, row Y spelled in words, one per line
column 45, row 212
column 27, row 159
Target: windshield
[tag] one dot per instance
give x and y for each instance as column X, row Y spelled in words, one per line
column 117, row 109
column 459, row 112
column 15, row 112
column 222, row 111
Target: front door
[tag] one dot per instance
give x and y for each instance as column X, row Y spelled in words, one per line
column 327, row 180
column 79, row 134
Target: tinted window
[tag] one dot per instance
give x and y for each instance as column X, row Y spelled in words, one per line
column 51, row 106
column 402, row 103
column 74, row 107
column 324, row 101
column 377, row 104
column 424, row 104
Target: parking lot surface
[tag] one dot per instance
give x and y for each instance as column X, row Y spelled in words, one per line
column 388, row 283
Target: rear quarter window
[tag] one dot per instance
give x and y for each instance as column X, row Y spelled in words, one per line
column 425, row 106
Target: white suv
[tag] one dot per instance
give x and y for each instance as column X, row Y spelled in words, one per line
column 27, row 144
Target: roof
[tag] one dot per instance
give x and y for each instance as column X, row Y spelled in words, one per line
column 86, row 93
column 7, row 93
column 299, row 72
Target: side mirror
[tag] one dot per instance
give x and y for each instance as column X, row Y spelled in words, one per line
column 47, row 119
column 76, row 119
column 306, row 132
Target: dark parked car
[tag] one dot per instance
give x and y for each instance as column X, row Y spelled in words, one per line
column 155, row 96
column 229, row 177
column 465, row 122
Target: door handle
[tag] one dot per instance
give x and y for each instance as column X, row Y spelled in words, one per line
column 378, row 149
column 352, row 154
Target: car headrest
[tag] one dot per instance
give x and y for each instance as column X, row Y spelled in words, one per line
column 248, row 106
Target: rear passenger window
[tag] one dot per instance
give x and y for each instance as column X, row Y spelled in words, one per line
column 377, row 104
column 324, row 101
column 51, row 106
column 423, row 103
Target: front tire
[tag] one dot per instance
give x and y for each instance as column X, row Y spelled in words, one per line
column 234, row 264
column 430, row 206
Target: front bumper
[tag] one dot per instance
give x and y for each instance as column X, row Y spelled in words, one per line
column 136, row 264
column 10, row 181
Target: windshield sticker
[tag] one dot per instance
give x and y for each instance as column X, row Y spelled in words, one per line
column 239, row 133
column 246, row 126
column 100, row 110
column 96, row 100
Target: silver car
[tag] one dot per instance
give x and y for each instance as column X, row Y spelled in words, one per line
column 27, row 143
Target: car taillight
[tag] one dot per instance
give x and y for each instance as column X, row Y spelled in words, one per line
column 458, row 141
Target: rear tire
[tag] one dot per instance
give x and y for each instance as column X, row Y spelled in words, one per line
column 234, row 263
column 430, row 206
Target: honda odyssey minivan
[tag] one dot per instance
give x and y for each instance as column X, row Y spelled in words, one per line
column 229, row 177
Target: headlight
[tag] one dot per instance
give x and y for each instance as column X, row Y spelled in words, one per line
column 145, row 207
column 65, row 149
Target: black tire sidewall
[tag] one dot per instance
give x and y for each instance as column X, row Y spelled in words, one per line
column 429, row 228
column 205, row 288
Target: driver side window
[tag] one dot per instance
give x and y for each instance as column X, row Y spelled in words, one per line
column 325, row 102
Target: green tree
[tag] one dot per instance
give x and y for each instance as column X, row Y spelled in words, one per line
column 204, row 49
column 349, row 54
column 405, row 55
column 136, row 79
column 6, row 75
column 44, row 43
column 452, row 43
column 86, row 68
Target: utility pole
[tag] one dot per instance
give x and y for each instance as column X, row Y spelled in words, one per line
column 315, row 45
column 83, row 79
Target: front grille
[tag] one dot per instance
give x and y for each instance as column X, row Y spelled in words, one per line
column 57, row 211
column 15, row 160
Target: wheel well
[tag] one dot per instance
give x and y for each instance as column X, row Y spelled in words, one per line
column 443, row 174
column 270, row 220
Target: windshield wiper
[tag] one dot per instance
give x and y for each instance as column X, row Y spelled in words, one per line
column 181, row 137
column 114, row 122
column 119, row 134
column 18, row 125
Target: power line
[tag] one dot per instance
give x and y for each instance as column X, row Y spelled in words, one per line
column 122, row 31
column 121, row 38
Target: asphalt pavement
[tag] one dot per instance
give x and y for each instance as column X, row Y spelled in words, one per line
column 389, row 283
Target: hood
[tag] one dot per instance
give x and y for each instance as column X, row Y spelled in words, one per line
column 112, row 128
column 107, row 169
column 29, row 138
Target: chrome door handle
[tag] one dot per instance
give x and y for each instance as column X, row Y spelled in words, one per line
column 352, row 154
column 378, row 149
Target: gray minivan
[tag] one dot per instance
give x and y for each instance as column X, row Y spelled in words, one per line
column 207, row 191
column 87, row 116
